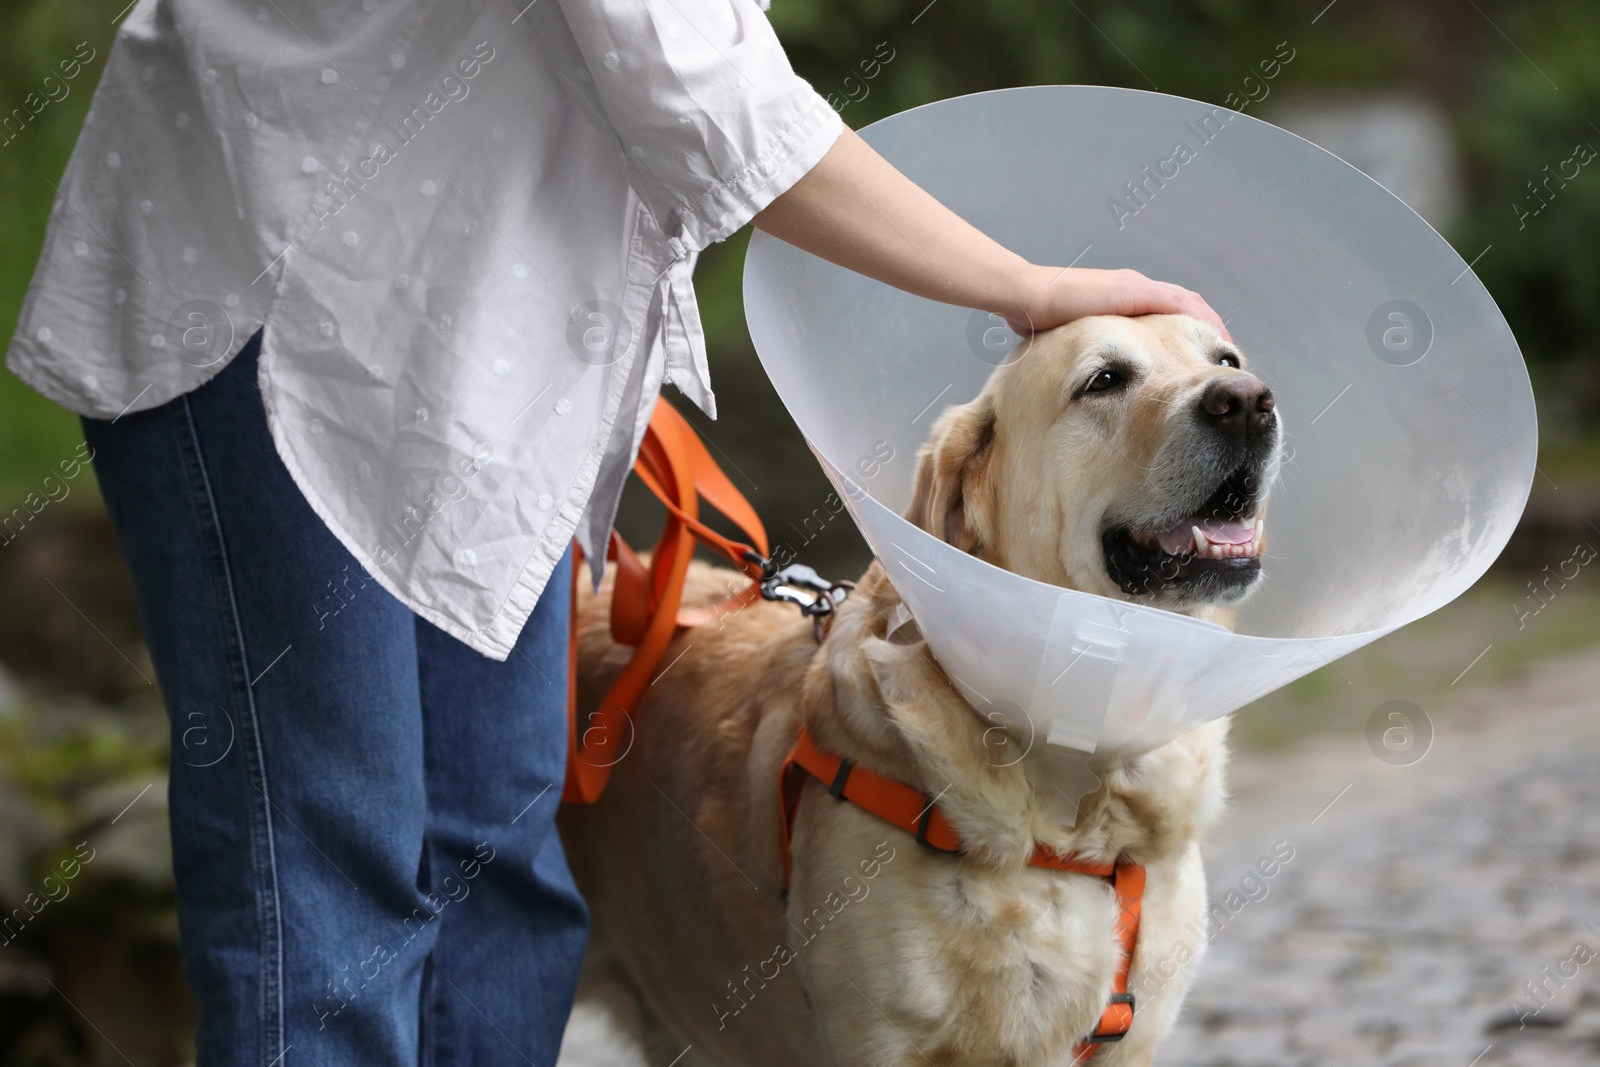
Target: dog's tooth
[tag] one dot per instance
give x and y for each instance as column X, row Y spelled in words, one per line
column 1201, row 545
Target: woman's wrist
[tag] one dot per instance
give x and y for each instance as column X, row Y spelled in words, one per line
column 1022, row 294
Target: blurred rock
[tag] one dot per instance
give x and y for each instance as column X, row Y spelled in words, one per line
column 86, row 881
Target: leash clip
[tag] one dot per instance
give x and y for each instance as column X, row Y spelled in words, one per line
column 803, row 587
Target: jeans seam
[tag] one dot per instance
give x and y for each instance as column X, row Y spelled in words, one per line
column 268, row 901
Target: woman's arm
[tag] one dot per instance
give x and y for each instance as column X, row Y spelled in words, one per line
column 855, row 209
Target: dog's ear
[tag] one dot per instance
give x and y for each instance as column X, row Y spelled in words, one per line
column 952, row 499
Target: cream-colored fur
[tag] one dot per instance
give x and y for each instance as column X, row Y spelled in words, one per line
column 885, row 952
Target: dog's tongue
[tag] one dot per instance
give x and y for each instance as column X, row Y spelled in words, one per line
column 1218, row 531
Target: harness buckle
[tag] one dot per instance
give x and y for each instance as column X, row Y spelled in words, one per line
column 1097, row 1038
column 841, row 778
column 924, row 821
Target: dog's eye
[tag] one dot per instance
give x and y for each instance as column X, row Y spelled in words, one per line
column 1228, row 359
column 1105, row 380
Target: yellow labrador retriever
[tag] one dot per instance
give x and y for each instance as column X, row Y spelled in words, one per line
column 1124, row 457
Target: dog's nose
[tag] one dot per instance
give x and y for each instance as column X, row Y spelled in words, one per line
column 1238, row 403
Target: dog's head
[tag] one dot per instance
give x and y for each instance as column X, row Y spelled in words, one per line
column 1129, row 457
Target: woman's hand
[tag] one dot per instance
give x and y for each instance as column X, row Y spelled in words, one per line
column 1050, row 296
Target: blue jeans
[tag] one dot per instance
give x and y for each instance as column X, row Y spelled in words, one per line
column 362, row 807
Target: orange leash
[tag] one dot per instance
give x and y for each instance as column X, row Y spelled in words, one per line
column 917, row 814
column 645, row 605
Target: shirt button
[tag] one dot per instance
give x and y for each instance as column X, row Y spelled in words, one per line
column 612, row 61
column 190, row 255
column 375, row 372
column 326, row 329
column 429, row 188
column 364, row 469
column 80, row 248
column 308, row 165
column 422, row 415
column 231, row 300
column 546, row 501
column 90, row 382
column 329, row 76
column 563, row 406
column 42, row 334
column 250, row 120
column 501, row 366
column 146, row 206
column 466, row 558
column 113, row 160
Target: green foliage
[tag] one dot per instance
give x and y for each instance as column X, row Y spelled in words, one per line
column 36, row 35
column 55, row 768
column 1536, row 107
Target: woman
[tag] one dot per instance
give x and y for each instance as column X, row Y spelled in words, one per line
column 365, row 304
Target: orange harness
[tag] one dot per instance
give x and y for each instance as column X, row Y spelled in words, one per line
column 917, row 814
column 647, row 612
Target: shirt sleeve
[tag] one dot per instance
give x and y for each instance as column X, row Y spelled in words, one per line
column 711, row 121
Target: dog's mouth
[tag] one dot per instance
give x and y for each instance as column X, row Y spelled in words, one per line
column 1212, row 554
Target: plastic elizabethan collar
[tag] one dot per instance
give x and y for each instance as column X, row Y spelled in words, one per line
column 1409, row 421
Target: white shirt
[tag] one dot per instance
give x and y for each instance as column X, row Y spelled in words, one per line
column 468, row 227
